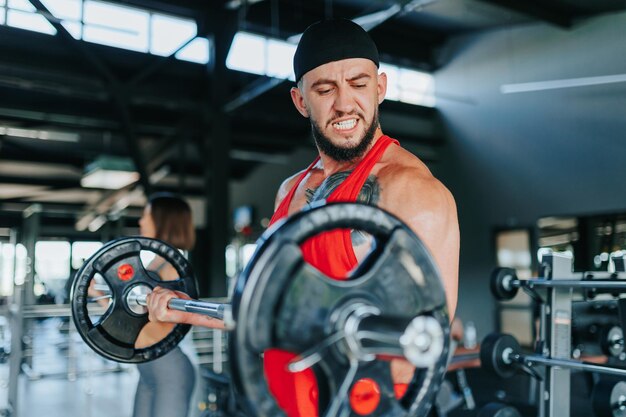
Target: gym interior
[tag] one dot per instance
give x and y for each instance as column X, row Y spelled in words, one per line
column 516, row 106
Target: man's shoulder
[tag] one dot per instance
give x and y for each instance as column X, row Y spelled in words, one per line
column 287, row 185
column 406, row 178
column 400, row 166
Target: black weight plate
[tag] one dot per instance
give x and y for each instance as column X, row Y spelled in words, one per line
column 114, row 334
column 282, row 302
column 500, row 284
column 492, row 349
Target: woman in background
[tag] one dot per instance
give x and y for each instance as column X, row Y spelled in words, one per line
column 165, row 384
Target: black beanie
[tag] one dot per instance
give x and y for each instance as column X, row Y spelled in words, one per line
column 332, row 40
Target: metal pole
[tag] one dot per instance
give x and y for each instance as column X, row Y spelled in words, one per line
column 217, row 351
column 571, row 283
column 556, row 397
column 531, row 360
column 16, row 325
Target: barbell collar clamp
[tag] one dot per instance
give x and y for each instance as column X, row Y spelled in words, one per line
column 420, row 339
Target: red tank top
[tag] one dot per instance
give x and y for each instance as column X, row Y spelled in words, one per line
column 332, row 253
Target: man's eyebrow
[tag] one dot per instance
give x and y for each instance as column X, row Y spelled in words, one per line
column 323, row 81
column 358, row 77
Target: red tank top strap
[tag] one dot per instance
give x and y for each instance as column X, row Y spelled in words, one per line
column 283, row 207
column 349, row 190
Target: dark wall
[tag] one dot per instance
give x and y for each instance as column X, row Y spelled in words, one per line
column 512, row 158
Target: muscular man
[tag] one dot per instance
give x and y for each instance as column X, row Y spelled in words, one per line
column 339, row 90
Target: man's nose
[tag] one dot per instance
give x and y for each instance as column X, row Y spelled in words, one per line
column 344, row 101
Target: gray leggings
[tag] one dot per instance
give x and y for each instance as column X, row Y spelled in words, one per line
column 165, row 386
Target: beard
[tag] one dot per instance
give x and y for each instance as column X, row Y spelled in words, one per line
column 340, row 153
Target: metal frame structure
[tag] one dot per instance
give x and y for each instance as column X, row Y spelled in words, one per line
column 556, row 329
column 555, row 333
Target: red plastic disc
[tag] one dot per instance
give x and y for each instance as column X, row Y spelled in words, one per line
column 125, row 272
column 364, row 396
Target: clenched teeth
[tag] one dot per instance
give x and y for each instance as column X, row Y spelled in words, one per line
column 345, row 125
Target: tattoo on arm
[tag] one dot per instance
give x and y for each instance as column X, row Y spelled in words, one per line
column 369, row 194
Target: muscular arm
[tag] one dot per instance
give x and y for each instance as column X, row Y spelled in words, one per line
column 428, row 208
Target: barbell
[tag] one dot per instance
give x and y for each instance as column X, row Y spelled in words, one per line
column 392, row 306
column 505, row 284
column 502, row 355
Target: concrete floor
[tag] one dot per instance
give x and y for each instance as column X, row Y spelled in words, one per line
column 67, row 379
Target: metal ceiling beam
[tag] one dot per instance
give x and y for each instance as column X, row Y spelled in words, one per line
column 253, row 90
column 537, row 10
column 180, row 8
column 38, row 80
column 157, row 63
column 70, row 121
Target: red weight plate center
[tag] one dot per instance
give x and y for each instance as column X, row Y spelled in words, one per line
column 125, row 272
column 364, row 396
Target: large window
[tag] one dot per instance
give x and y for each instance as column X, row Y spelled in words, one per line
column 12, row 266
column 52, row 267
column 513, row 250
column 111, row 24
column 81, row 251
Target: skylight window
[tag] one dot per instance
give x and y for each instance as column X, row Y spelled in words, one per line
column 29, row 21
column 69, row 12
column 23, row 5
column 393, row 89
column 409, row 86
column 257, row 54
column 169, row 33
column 112, row 25
column 260, row 55
column 417, row 87
column 21, row 14
column 64, row 9
column 196, row 51
column 280, row 59
column 247, row 53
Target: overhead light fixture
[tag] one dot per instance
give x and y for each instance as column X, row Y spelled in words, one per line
column 109, row 172
column 564, row 83
column 53, row 135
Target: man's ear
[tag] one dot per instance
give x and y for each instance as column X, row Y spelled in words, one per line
column 298, row 101
column 381, row 87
